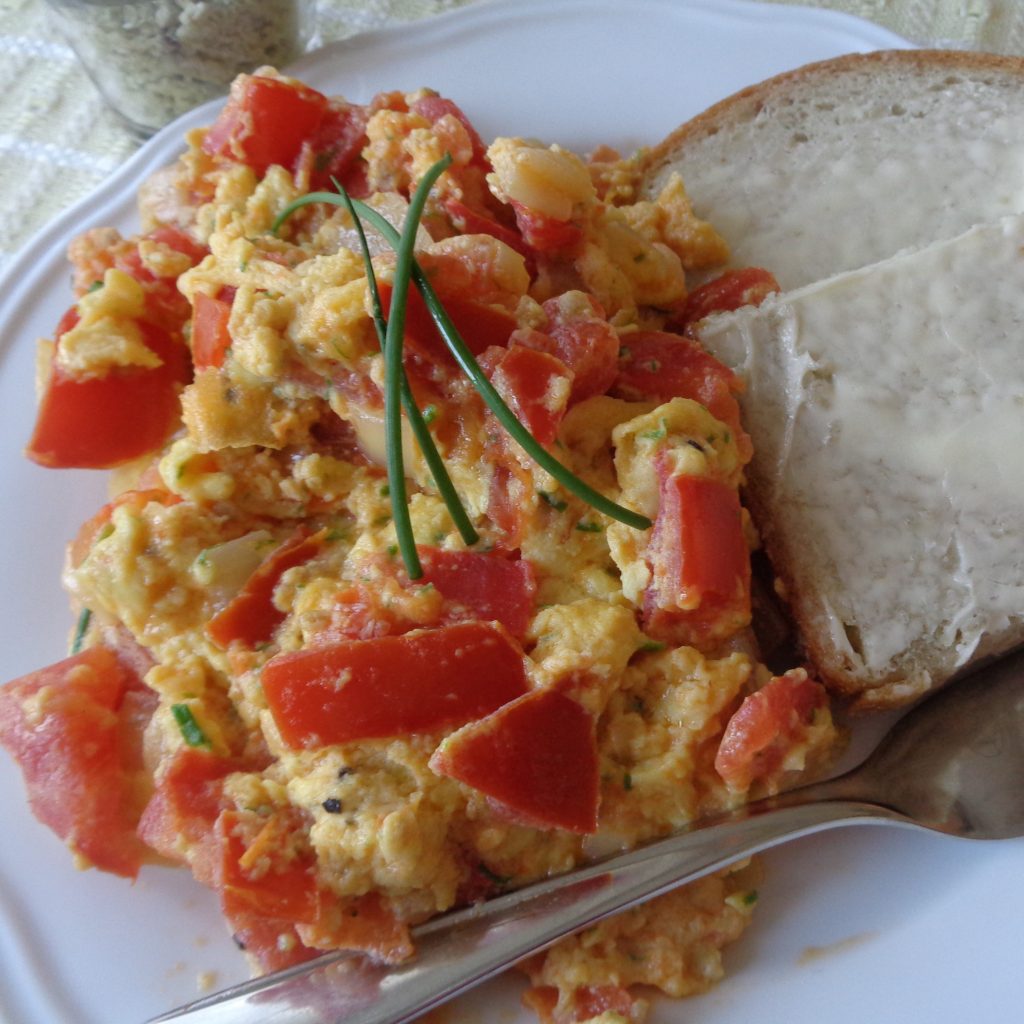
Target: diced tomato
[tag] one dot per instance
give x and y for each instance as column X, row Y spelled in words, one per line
column 661, row 366
column 187, row 800
column 270, row 943
column 335, row 148
column 211, row 338
column 91, row 528
column 251, row 616
column 700, row 561
column 509, row 497
column 481, row 326
column 473, row 222
column 71, row 731
column 259, row 873
column 735, row 288
column 365, row 924
column 584, row 341
column 433, row 108
column 545, row 234
column 176, row 239
column 392, row 685
column 489, row 587
column 535, row 386
column 537, row 757
column 768, row 724
column 103, row 421
column 265, row 122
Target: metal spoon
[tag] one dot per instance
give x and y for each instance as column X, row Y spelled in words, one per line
column 954, row 764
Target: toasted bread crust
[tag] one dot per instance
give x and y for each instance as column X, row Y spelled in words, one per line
column 747, row 103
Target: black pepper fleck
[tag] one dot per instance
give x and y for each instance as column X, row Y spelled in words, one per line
column 332, row 805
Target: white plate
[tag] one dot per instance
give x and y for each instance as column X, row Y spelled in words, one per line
column 916, row 927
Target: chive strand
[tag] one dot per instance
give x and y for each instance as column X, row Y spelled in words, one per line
column 425, row 440
column 508, row 419
column 394, row 370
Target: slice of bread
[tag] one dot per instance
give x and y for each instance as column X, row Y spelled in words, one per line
column 842, row 163
column 887, row 411
column 886, row 404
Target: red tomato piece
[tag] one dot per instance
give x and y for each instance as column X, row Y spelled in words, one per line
column 251, row 616
column 392, row 685
column 185, row 804
column 366, row 924
column 433, row 108
column 176, row 239
column 585, row 342
column 335, row 148
column 699, row 545
column 103, row 421
column 72, row 734
column 509, row 496
column 543, row 233
column 265, row 122
column 700, row 563
column 662, row 366
column 271, row 944
column 733, row 289
column 537, row 757
column 473, row 222
column 480, row 325
column 211, row 338
column 258, row 872
column 536, row 387
column 488, row 587
column 768, row 724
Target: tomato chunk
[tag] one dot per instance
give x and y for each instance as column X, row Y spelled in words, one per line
column 537, row 757
column 392, row 685
column 700, row 562
column 73, row 734
column 103, row 421
column 211, row 338
column 489, row 587
column 481, row 326
column 535, row 385
column 366, row 924
column 733, row 289
column 259, row 871
column 265, row 122
column 662, row 366
column 251, row 616
column 433, row 108
column 768, row 724
column 185, row 804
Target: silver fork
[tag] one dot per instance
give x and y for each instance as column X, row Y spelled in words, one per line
column 954, row 764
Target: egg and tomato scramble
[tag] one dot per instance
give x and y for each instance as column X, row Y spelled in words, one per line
column 258, row 690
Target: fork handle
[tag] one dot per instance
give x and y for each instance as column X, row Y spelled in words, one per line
column 459, row 951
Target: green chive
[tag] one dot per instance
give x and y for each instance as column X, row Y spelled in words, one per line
column 464, row 357
column 418, row 421
column 556, row 503
column 190, row 730
column 589, row 527
column 80, row 628
column 627, row 782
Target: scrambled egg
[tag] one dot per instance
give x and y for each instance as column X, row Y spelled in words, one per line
column 282, row 442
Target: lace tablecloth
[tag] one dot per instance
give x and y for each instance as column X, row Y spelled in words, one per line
column 58, row 141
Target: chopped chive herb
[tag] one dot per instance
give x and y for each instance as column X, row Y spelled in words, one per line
column 80, row 628
column 627, row 782
column 493, row 876
column 589, row 527
column 652, row 645
column 750, row 898
column 95, row 286
column 190, row 729
column 385, row 491
column 430, row 414
column 555, row 503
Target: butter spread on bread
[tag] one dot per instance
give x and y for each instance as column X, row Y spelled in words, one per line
column 887, row 409
column 846, row 162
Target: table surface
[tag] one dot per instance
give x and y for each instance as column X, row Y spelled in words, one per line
column 58, row 141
